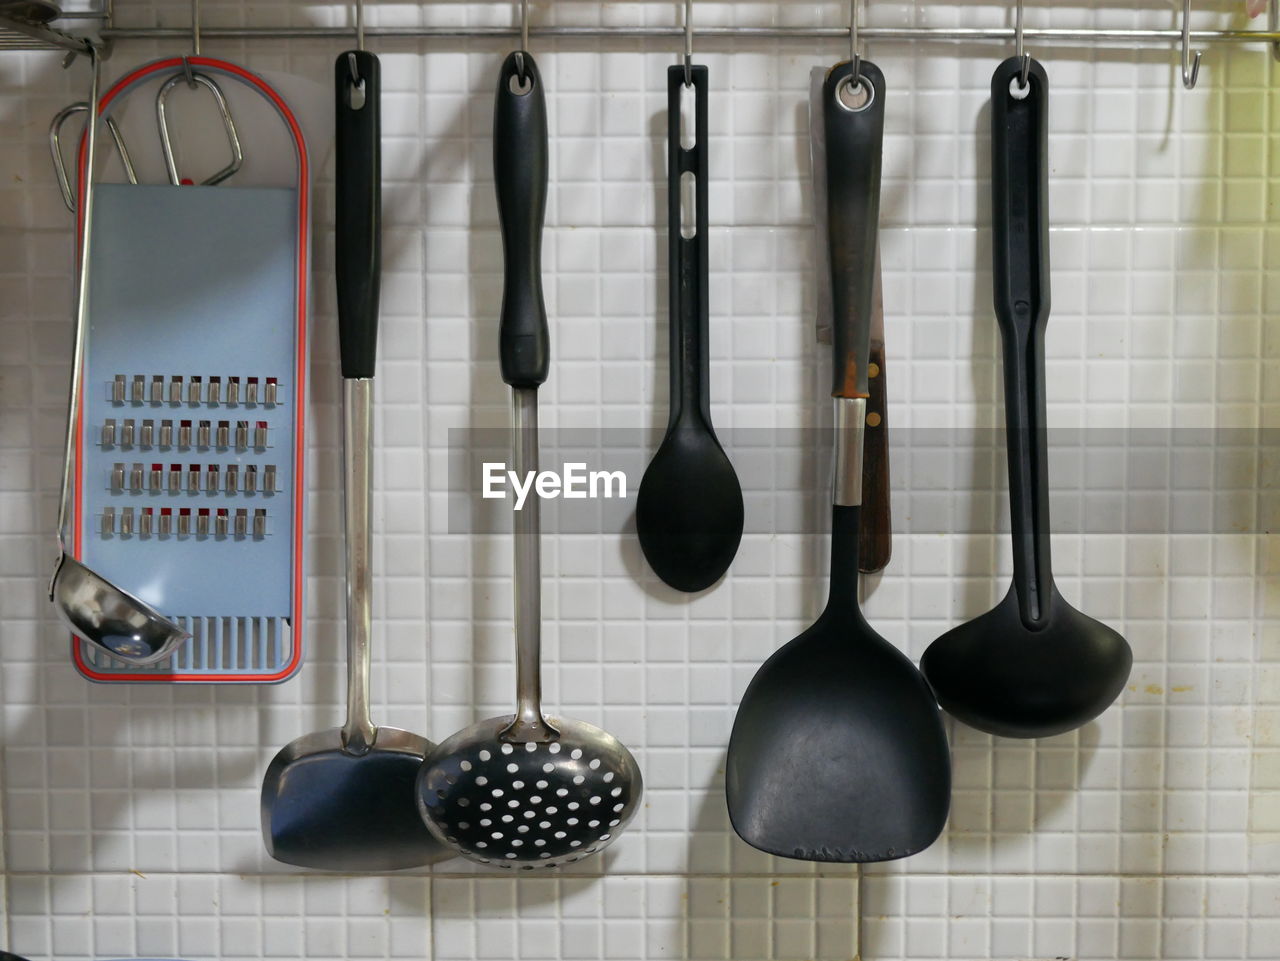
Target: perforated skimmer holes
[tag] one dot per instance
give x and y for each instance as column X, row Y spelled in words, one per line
column 527, row 805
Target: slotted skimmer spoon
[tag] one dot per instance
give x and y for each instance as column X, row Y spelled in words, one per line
column 343, row 799
column 689, row 512
column 526, row 790
column 1033, row 666
column 838, row 751
column 107, row 616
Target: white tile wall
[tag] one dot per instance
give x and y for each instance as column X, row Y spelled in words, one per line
column 130, row 823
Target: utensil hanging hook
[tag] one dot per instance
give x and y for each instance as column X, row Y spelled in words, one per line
column 1190, row 65
column 1273, row 24
column 195, row 43
column 688, row 43
column 521, row 73
column 1020, row 51
column 356, row 80
column 228, row 125
column 855, row 75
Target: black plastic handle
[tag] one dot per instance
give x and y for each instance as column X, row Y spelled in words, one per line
column 855, row 139
column 687, row 256
column 358, row 220
column 1020, row 236
column 520, row 178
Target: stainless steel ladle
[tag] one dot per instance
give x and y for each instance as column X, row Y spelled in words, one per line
column 106, row 616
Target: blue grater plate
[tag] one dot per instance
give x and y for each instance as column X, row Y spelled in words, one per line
column 189, row 487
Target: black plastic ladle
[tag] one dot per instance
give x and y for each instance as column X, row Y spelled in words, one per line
column 1033, row 666
column 689, row 511
column 838, row 751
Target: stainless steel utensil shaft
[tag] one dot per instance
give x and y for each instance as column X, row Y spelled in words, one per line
column 358, row 733
column 82, row 313
column 529, row 724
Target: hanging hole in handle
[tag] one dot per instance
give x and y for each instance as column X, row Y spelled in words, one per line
column 521, row 81
column 688, row 116
column 688, row 205
column 1017, row 91
column 855, row 95
column 356, row 98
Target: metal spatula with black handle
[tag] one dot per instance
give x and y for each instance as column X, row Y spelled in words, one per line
column 344, row 799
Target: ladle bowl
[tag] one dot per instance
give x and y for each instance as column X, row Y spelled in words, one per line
column 111, row 618
column 528, row 804
column 997, row 675
column 1033, row 666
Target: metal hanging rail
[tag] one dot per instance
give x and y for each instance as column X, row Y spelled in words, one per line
column 1135, row 37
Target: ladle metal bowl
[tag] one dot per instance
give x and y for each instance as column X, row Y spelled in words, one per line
column 108, row 617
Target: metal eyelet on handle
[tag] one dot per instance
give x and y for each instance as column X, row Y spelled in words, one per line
column 850, row 84
column 228, row 124
column 855, row 80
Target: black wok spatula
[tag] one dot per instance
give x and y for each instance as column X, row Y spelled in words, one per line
column 838, row 751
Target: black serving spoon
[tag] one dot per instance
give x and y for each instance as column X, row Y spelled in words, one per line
column 689, row 506
column 838, row 751
column 1033, row 666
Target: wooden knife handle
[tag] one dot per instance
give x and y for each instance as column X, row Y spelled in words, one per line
column 875, row 535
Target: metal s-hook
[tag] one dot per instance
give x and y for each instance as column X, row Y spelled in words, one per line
column 1273, row 24
column 357, row 82
column 1190, row 65
column 1020, row 50
column 855, row 74
column 521, row 74
column 689, row 42
column 195, row 43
